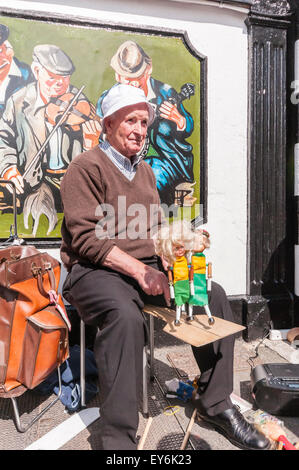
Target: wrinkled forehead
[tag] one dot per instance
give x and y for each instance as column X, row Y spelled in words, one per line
column 139, row 110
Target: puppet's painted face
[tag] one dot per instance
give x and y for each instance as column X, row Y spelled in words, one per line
column 179, row 249
column 201, row 241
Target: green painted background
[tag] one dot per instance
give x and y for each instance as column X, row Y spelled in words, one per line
column 91, row 50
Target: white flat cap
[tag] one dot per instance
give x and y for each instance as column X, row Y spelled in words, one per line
column 120, row 96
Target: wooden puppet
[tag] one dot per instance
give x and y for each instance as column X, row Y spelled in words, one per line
column 173, row 244
column 189, row 275
column 200, row 274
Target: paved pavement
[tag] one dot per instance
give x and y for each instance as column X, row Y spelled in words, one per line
column 168, row 418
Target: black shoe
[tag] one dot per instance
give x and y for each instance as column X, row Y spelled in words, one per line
column 234, row 427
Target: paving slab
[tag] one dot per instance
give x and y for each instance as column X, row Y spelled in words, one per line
column 170, row 417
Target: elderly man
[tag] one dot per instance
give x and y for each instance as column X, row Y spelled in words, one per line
column 27, row 122
column 172, row 157
column 113, row 271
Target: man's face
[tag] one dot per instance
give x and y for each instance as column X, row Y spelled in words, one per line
column 126, row 129
column 52, row 85
column 6, row 56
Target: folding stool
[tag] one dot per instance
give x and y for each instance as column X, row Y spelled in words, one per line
column 146, row 363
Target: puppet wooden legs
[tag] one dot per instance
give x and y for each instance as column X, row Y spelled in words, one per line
column 182, row 309
column 208, row 312
column 190, row 312
column 178, row 312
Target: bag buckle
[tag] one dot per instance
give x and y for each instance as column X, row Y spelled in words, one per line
column 36, row 270
column 48, row 267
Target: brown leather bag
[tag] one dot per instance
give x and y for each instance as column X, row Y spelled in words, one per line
column 33, row 321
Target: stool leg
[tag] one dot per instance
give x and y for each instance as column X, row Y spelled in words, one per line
column 145, row 365
column 145, row 384
column 22, row 428
column 82, row 362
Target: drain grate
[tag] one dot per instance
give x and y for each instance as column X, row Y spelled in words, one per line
column 166, row 431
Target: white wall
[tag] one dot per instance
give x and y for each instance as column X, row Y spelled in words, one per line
column 221, row 35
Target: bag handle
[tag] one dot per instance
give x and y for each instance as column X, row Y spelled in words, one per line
column 37, row 272
column 52, row 293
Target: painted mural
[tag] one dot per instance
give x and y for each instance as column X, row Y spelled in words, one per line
column 53, row 78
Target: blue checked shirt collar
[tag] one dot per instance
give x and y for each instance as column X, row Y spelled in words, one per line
column 125, row 165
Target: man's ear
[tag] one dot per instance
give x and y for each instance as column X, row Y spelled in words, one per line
column 108, row 124
column 9, row 49
column 35, row 71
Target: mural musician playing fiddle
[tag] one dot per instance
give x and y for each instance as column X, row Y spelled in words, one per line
column 44, row 126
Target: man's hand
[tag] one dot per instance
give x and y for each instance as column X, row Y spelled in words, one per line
column 12, row 174
column 151, row 281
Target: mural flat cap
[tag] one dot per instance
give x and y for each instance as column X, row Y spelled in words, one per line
column 4, row 33
column 53, row 59
column 130, row 60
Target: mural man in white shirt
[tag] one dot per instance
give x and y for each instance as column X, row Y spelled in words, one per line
column 29, row 117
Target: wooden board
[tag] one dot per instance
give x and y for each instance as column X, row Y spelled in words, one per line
column 196, row 332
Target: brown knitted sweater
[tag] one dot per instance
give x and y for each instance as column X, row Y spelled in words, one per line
column 89, row 231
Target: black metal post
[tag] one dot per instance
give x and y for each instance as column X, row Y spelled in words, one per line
column 268, row 300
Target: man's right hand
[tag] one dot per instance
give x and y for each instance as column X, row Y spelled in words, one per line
column 153, row 282
column 12, row 174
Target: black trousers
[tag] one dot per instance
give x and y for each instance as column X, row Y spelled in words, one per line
column 114, row 303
